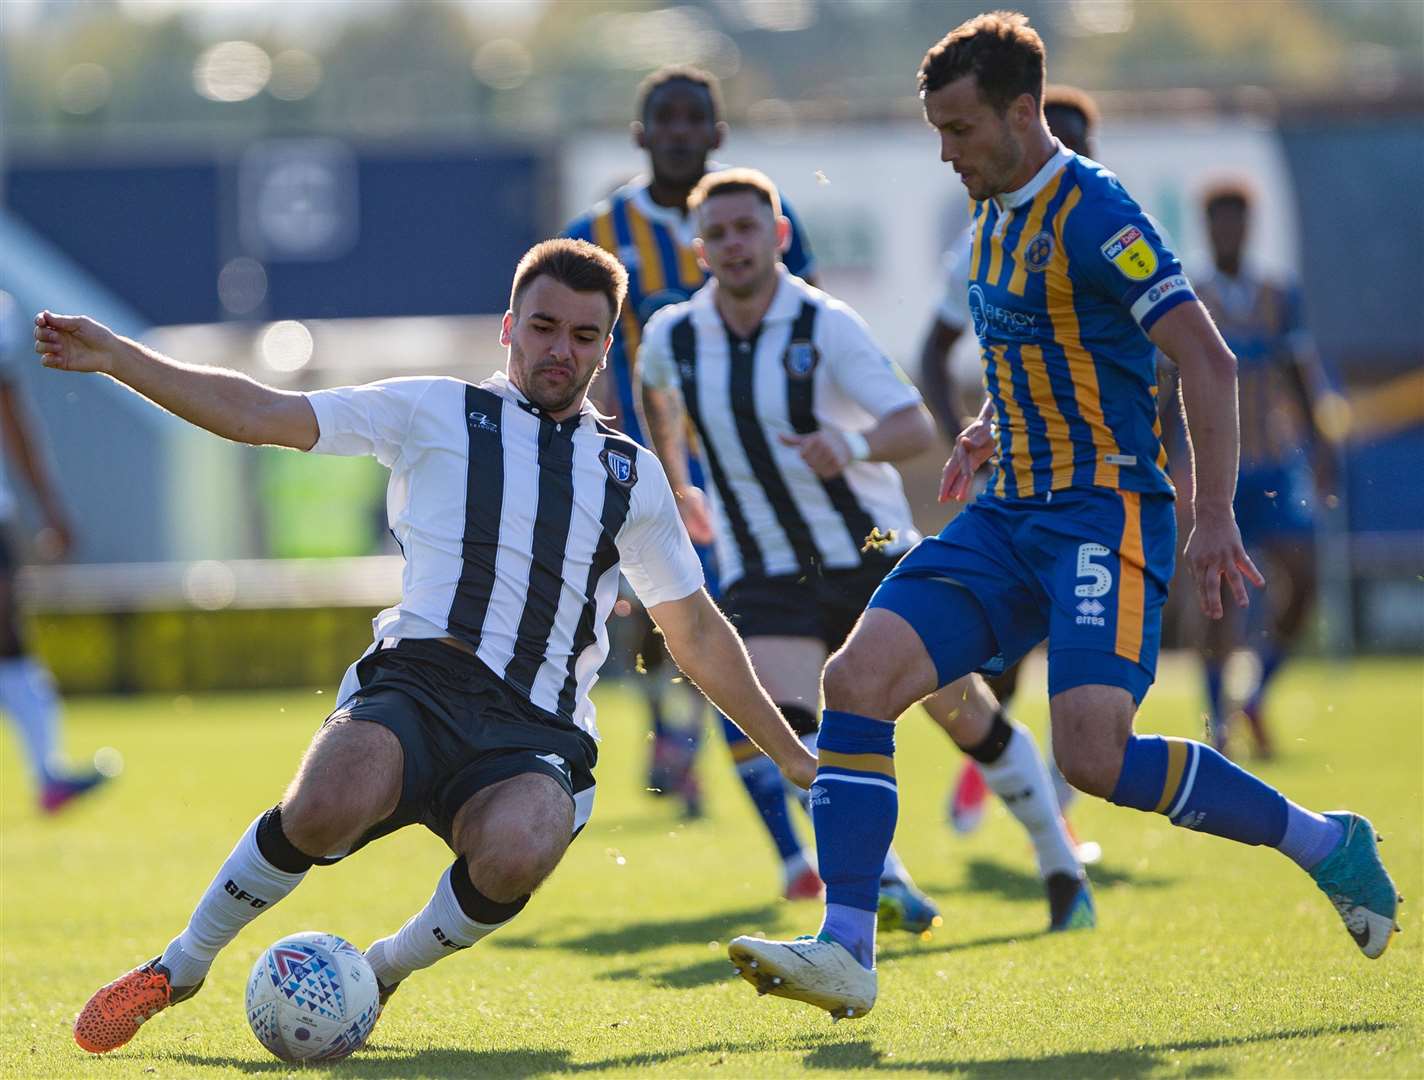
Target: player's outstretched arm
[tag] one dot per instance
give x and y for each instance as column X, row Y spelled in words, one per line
column 1208, row 382
column 224, row 402
column 709, row 652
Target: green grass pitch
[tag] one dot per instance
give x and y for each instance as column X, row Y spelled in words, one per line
column 1210, row 959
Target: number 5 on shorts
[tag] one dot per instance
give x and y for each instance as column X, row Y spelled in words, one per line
column 1102, row 579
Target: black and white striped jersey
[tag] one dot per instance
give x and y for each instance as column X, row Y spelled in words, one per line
column 514, row 528
column 811, row 364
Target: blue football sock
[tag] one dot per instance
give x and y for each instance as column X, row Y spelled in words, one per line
column 854, row 805
column 1270, row 657
column 1200, row 789
column 762, row 779
column 1215, row 672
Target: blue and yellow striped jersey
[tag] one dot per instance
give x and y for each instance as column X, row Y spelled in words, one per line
column 655, row 244
column 1261, row 322
column 1066, row 276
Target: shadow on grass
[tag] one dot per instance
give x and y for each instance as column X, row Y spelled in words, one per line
column 1133, row 1061
column 642, row 936
column 378, row 1063
column 892, row 948
column 1011, row 883
column 718, row 968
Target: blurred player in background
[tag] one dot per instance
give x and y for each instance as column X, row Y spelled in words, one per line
column 799, row 414
column 646, row 224
column 1070, row 289
column 1281, row 382
column 470, row 713
column 27, row 689
column 954, row 396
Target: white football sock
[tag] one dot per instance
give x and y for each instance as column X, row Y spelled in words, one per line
column 245, row 886
column 433, row 933
column 27, row 693
column 894, row 869
column 1020, row 778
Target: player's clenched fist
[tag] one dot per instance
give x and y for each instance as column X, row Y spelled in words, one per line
column 74, row 342
column 827, row 452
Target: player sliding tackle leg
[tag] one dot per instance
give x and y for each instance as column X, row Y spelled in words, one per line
column 1073, row 544
column 487, row 740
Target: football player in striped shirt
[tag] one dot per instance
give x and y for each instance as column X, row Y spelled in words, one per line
column 645, row 223
column 800, row 415
column 515, row 507
column 1285, row 458
column 1073, row 542
column 1072, row 117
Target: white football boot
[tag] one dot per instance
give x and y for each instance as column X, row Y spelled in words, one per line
column 810, row 969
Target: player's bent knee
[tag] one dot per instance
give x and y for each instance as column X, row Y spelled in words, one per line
column 515, row 863
column 321, row 822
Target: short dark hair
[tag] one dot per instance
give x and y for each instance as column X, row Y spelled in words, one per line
column 733, row 182
column 673, row 73
column 1070, row 98
column 1000, row 49
column 582, row 266
column 1231, row 192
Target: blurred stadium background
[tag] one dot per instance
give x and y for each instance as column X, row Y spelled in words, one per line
column 324, row 193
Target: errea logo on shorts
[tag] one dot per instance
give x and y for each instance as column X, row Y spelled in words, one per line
column 1090, row 613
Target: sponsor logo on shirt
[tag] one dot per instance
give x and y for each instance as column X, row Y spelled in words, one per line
column 993, row 320
column 483, row 422
column 1129, row 251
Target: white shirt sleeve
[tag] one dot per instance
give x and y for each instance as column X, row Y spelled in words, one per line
column 859, row 367
column 954, row 303
column 372, row 419
column 655, row 362
column 657, row 557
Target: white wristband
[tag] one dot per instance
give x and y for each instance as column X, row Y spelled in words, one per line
column 858, row 444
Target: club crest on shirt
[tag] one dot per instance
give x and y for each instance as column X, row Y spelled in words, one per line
column 800, row 359
column 1039, row 252
column 621, row 467
column 1130, row 252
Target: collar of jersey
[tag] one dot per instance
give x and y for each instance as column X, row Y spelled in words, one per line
column 785, row 305
column 675, row 220
column 499, row 383
column 1012, row 200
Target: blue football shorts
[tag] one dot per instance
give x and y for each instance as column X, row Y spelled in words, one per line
column 1086, row 568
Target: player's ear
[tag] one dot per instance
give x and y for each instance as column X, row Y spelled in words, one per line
column 639, row 133
column 719, row 134
column 701, row 249
column 506, row 326
column 783, row 233
column 1025, row 111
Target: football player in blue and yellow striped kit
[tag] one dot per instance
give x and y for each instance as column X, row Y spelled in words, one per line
column 646, row 224
column 1070, row 288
